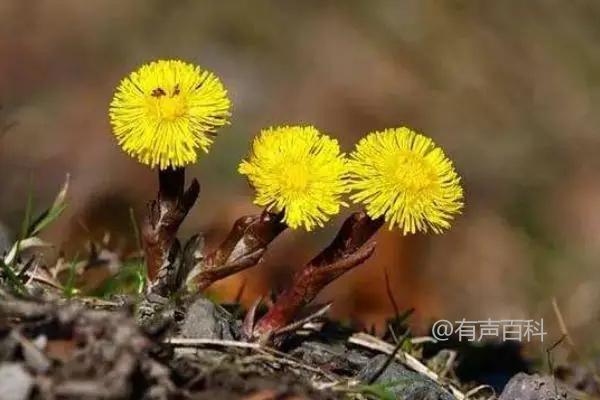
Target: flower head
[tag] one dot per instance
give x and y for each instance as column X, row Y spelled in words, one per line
column 166, row 111
column 404, row 177
column 298, row 171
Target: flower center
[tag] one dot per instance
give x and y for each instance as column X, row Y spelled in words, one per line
column 413, row 173
column 295, row 178
column 168, row 106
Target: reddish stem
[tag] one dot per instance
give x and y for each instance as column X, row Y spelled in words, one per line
column 165, row 215
column 243, row 248
column 345, row 252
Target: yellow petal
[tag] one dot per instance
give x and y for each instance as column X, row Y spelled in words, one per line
column 167, row 111
column 404, row 177
column 297, row 170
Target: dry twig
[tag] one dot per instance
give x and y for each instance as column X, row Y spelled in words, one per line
column 203, row 342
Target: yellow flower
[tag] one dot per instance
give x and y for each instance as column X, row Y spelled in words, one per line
column 166, row 111
column 297, row 170
column 404, row 177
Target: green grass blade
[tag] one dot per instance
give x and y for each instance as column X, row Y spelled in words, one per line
column 51, row 214
column 69, row 288
column 12, row 279
column 136, row 229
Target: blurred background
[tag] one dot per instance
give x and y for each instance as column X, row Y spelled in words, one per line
column 510, row 90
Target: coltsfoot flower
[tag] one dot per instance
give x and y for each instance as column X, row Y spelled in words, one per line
column 405, row 178
column 298, row 171
column 164, row 113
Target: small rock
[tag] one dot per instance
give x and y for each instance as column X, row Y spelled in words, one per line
column 35, row 358
column 15, row 382
column 403, row 383
column 321, row 353
column 331, row 356
column 357, row 359
column 535, row 387
column 206, row 320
